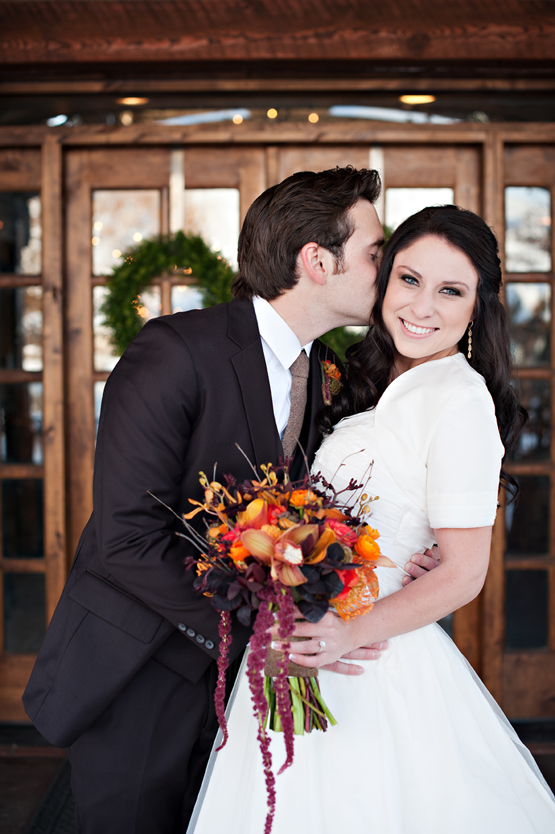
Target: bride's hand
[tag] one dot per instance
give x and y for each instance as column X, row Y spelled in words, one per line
column 331, row 640
column 421, row 563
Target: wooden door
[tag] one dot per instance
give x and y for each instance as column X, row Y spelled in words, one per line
column 32, row 521
column 115, row 196
column 519, row 632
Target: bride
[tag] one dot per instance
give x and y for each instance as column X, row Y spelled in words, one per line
column 420, row 745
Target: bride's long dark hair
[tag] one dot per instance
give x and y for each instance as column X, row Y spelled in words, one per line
column 371, row 362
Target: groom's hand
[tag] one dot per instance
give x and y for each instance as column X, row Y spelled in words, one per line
column 372, row 652
column 421, row 563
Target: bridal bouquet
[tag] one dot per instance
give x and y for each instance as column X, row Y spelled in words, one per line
column 274, row 545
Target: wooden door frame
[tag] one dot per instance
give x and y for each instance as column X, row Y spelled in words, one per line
column 490, row 139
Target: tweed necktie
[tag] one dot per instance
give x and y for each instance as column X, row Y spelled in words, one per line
column 299, row 369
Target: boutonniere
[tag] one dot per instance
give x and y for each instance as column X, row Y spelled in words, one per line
column 331, row 380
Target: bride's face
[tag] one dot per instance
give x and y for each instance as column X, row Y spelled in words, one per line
column 429, row 301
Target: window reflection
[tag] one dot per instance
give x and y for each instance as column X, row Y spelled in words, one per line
column 22, row 518
column 527, row 520
column 21, row 423
column 24, row 612
column 21, row 328
column 186, row 298
column 121, row 219
column 527, row 229
column 400, row 203
column 20, row 233
column 529, row 308
column 213, row 213
column 526, row 605
column 534, row 442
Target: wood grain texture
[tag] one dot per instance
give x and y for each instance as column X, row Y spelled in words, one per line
column 529, row 685
column 53, row 375
column 200, row 30
column 20, row 169
column 14, row 674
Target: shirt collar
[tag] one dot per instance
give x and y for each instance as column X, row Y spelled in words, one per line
column 277, row 334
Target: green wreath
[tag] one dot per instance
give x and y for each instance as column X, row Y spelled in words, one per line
column 152, row 259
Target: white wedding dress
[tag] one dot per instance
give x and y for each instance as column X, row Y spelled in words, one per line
column 420, row 746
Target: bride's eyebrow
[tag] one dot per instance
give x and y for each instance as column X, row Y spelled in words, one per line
column 410, row 269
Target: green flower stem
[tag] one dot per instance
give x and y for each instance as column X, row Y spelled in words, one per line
column 318, row 695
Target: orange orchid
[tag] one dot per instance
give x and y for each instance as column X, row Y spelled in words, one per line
column 284, row 554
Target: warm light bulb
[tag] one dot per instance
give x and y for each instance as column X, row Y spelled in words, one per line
column 116, row 253
column 132, row 101
column 417, row 99
column 137, row 236
column 98, row 225
column 95, row 241
column 126, row 118
column 313, row 118
column 237, row 119
column 272, row 113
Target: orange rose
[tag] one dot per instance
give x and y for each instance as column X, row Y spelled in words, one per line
column 300, row 497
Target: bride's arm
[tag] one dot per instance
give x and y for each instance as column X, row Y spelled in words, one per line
column 455, row 582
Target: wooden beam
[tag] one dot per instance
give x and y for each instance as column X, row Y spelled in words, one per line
column 376, row 83
column 342, row 131
column 229, row 30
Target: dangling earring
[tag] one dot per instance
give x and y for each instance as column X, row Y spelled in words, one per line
column 469, row 354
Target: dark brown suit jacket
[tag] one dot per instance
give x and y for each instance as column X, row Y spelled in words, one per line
column 187, row 390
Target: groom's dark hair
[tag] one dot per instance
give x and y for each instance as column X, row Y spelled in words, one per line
column 307, row 207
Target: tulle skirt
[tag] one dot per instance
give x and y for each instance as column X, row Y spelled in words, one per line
column 420, row 748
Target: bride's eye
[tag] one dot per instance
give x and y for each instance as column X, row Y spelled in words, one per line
column 409, row 279
column 450, row 291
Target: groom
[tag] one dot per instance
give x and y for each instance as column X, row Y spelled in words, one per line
column 126, row 674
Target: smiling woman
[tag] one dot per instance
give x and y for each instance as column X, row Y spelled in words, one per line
column 429, row 301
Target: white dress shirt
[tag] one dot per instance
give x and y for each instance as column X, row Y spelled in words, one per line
column 281, row 347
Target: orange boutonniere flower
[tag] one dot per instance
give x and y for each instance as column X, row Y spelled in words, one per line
column 331, row 381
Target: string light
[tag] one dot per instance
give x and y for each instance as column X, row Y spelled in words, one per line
column 272, row 113
column 313, row 118
column 95, row 241
column 98, row 225
column 237, row 119
column 132, row 101
column 137, row 237
column 417, row 99
column 126, row 118
column 116, row 253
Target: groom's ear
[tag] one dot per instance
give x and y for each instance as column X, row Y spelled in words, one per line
column 316, row 262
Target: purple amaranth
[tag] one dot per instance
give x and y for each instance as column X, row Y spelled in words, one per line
column 286, row 623
column 259, row 645
column 224, row 630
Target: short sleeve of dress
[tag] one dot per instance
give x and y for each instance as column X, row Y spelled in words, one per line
column 464, row 462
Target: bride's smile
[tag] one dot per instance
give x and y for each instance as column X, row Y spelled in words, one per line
column 429, row 301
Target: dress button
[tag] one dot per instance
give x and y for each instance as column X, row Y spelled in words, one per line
column 200, row 638
column 182, row 626
column 191, row 632
column 209, row 644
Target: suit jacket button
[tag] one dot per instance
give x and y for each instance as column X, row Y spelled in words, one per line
column 191, row 632
column 209, row 644
column 200, row 638
column 182, row 626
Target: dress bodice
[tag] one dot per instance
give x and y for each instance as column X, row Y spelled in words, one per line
column 430, row 453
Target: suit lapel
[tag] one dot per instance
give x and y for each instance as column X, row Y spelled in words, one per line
column 252, row 375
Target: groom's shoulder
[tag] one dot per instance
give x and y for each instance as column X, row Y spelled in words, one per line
column 210, row 323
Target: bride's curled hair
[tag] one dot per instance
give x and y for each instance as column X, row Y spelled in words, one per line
column 371, row 362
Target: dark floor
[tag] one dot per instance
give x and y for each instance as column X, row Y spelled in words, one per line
column 34, row 781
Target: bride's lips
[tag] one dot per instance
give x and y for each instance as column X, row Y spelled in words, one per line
column 415, row 331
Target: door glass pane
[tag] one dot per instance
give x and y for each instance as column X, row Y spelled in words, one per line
column 535, row 441
column 24, row 612
column 98, row 393
column 186, row 298
column 529, row 308
column 527, row 229
column 22, row 519
column 527, row 522
column 526, row 604
column 20, row 233
column 400, row 203
column 21, row 328
column 213, row 213
column 21, row 423
column 105, row 357
column 121, row 219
